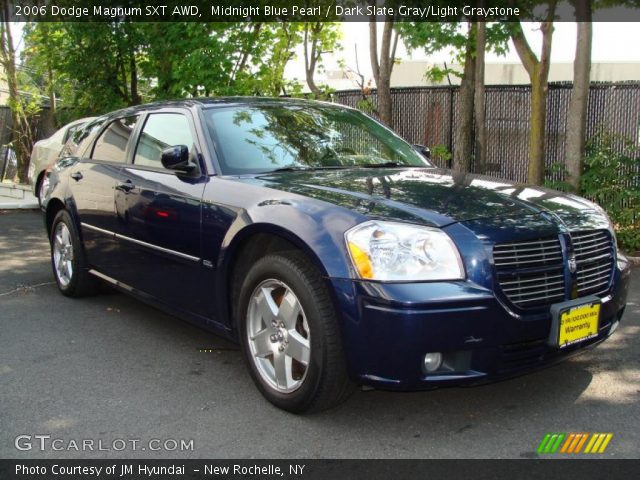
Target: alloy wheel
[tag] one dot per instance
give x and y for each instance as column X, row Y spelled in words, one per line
column 279, row 336
column 63, row 254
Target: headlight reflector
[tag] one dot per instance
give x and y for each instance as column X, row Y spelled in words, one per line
column 395, row 251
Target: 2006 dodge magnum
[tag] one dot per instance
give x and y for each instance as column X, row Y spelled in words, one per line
column 331, row 249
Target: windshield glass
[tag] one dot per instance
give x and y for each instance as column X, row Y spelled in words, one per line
column 262, row 138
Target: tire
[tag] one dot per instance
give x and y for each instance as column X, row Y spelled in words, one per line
column 68, row 259
column 284, row 306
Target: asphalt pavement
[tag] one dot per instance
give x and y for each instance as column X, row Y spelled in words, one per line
column 113, row 372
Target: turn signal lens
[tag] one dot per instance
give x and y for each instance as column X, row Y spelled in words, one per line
column 361, row 261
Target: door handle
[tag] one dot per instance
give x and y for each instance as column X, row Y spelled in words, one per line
column 125, row 186
column 77, row 176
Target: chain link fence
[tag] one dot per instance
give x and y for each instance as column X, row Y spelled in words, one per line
column 428, row 115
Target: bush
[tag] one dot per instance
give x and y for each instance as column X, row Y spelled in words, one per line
column 611, row 179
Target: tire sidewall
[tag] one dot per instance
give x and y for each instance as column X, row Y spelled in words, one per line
column 277, row 267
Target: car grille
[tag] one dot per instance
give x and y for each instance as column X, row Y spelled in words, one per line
column 594, row 257
column 531, row 273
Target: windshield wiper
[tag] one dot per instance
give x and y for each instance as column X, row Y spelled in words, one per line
column 306, row 169
column 384, row 165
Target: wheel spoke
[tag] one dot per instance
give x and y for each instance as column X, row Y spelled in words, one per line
column 69, row 269
column 282, row 367
column 298, row 347
column 267, row 305
column 262, row 343
column 289, row 310
column 65, row 235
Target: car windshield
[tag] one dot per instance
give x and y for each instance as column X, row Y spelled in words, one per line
column 268, row 137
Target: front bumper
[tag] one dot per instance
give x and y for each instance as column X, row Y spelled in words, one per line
column 388, row 328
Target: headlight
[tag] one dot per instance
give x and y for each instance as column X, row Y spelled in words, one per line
column 403, row 252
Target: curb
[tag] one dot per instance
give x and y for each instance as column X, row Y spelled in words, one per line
column 13, row 206
column 635, row 261
column 17, row 197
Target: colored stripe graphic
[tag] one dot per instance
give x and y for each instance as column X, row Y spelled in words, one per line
column 581, row 443
column 543, row 443
column 605, row 442
column 598, row 443
column 551, row 442
column 573, row 442
column 567, row 442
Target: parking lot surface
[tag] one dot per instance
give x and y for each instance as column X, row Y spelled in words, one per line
column 110, row 368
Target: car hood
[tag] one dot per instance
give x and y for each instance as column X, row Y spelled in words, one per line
column 436, row 196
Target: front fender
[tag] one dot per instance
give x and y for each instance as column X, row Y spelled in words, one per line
column 318, row 231
column 311, row 225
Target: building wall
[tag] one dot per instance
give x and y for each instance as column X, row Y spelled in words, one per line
column 412, row 73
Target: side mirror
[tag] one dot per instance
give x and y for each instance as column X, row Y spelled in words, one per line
column 177, row 158
column 422, row 150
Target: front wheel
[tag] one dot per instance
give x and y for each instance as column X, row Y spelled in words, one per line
column 289, row 334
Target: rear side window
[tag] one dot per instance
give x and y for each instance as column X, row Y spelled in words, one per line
column 82, row 138
column 70, row 131
column 111, row 146
column 162, row 130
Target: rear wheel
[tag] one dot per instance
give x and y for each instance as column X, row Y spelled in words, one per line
column 289, row 334
column 68, row 259
column 42, row 186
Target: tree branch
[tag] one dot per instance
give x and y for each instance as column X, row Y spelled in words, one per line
column 373, row 47
column 528, row 58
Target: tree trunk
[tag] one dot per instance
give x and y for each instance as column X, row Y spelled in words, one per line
column 135, row 95
column 479, row 100
column 311, row 56
column 538, row 121
column 382, row 66
column 51, row 92
column 21, row 135
column 464, row 126
column 538, row 71
column 577, row 114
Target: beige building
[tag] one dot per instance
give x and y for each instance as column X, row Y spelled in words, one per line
column 411, row 73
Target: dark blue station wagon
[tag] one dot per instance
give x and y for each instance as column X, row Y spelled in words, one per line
column 331, row 249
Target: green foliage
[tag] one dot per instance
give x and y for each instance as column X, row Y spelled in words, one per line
column 97, row 67
column 611, row 167
column 557, row 170
column 610, row 178
column 432, row 37
column 441, row 153
column 366, row 105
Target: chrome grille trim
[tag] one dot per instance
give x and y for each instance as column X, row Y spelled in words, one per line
column 530, row 273
column 594, row 258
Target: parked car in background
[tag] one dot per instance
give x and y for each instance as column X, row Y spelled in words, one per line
column 330, row 248
column 46, row 151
